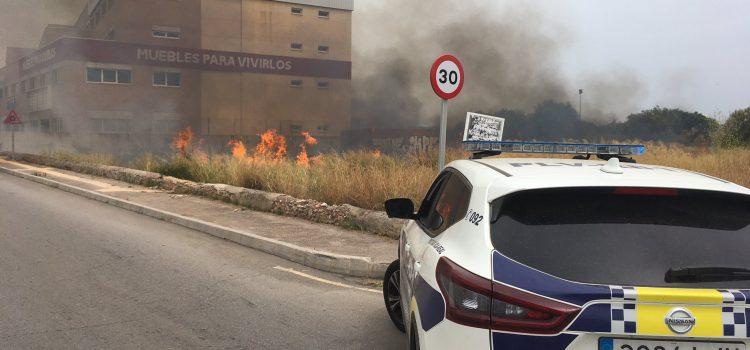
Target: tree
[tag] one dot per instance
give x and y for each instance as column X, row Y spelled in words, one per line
column 669, row 125
column 736, row 131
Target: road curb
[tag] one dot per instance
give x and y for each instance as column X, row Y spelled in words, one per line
column 355, row 266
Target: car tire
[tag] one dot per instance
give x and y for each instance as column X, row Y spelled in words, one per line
column 392, row 295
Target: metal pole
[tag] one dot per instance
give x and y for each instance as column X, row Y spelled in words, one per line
column 13, row 142
column 443, row 132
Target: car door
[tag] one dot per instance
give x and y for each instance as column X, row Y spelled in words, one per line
column 445, row 204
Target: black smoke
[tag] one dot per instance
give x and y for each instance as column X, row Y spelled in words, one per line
column 511, row 54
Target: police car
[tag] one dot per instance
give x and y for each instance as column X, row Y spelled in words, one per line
column 570, row 253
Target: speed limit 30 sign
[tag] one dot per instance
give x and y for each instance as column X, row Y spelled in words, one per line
column 447, row 77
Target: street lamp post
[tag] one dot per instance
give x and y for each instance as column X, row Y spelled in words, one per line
column 580, row 104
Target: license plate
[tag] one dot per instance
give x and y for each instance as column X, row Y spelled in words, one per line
column 640, row 344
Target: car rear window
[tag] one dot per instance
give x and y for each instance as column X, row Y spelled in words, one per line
column 624, row 236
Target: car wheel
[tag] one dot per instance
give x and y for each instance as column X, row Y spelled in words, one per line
column 392, row 294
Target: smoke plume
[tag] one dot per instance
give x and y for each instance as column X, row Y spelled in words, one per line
column 510, row 54
column 22, row 22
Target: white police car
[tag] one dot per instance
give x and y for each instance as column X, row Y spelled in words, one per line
column 572, row 254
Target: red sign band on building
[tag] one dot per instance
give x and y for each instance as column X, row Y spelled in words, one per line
column 103, row 51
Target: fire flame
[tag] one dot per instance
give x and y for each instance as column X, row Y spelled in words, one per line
column 239, row 151
column 271, row 146
column 302, row 157
column 183, row 140
column 377, row 154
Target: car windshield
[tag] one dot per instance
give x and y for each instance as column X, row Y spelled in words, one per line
column 625, row 236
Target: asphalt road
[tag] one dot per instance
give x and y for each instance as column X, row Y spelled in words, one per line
column 76, row 273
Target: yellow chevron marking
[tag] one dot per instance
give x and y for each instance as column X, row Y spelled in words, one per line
column 650, row 320
column 678, row 295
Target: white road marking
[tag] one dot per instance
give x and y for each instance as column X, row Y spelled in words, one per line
column 322, row 280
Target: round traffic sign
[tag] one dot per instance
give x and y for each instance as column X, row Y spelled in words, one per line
column 447, row 77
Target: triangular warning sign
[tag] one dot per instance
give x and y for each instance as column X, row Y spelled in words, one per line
column 12, row 118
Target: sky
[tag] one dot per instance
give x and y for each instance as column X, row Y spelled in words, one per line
column 687, row 53
column 674, row 53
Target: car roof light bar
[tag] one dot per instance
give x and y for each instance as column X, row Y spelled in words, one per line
column 498, row 147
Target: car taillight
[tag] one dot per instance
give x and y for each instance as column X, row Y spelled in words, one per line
column 478, row 302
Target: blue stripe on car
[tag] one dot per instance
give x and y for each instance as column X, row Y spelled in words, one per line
column 507, row 341
column 595, row 318
column 520, row 276
column 430, row 303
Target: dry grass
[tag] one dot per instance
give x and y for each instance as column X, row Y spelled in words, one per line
column 365, row 179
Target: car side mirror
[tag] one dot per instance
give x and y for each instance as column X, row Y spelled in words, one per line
column 437, row 222
column 400, row 208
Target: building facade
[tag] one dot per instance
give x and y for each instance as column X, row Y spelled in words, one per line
column 130, row 73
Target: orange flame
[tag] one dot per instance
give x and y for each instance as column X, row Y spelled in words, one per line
column 271, row 146
column 239, row 151
column 183, row 140
column 377, row 154
column 302, row 157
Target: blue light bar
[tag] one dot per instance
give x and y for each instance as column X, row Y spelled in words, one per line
column 554, row 148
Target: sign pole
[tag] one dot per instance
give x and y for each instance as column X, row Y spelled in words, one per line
column 443, row 132
column 12, row 142
column 11, row 121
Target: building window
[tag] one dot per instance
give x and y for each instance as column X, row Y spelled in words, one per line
column 2, row 93
column 110, row 126
column 297, row 11
column 296, row 83
column 55, row 76
column 296, row 46
column 169, row 79
column 44, row 125
column 166, row 32
column 109, row 76
column 324, row 14
column 323, row 84
column 324, row 48
column 37, row 100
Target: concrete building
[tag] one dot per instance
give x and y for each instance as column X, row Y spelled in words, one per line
column 130, row 73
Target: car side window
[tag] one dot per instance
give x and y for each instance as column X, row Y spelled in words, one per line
column 446, row 204
column 426, row 210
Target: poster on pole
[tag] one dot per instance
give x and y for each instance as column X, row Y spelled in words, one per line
column 480, row 127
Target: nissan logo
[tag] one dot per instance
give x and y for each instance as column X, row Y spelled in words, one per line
column 680, row 320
